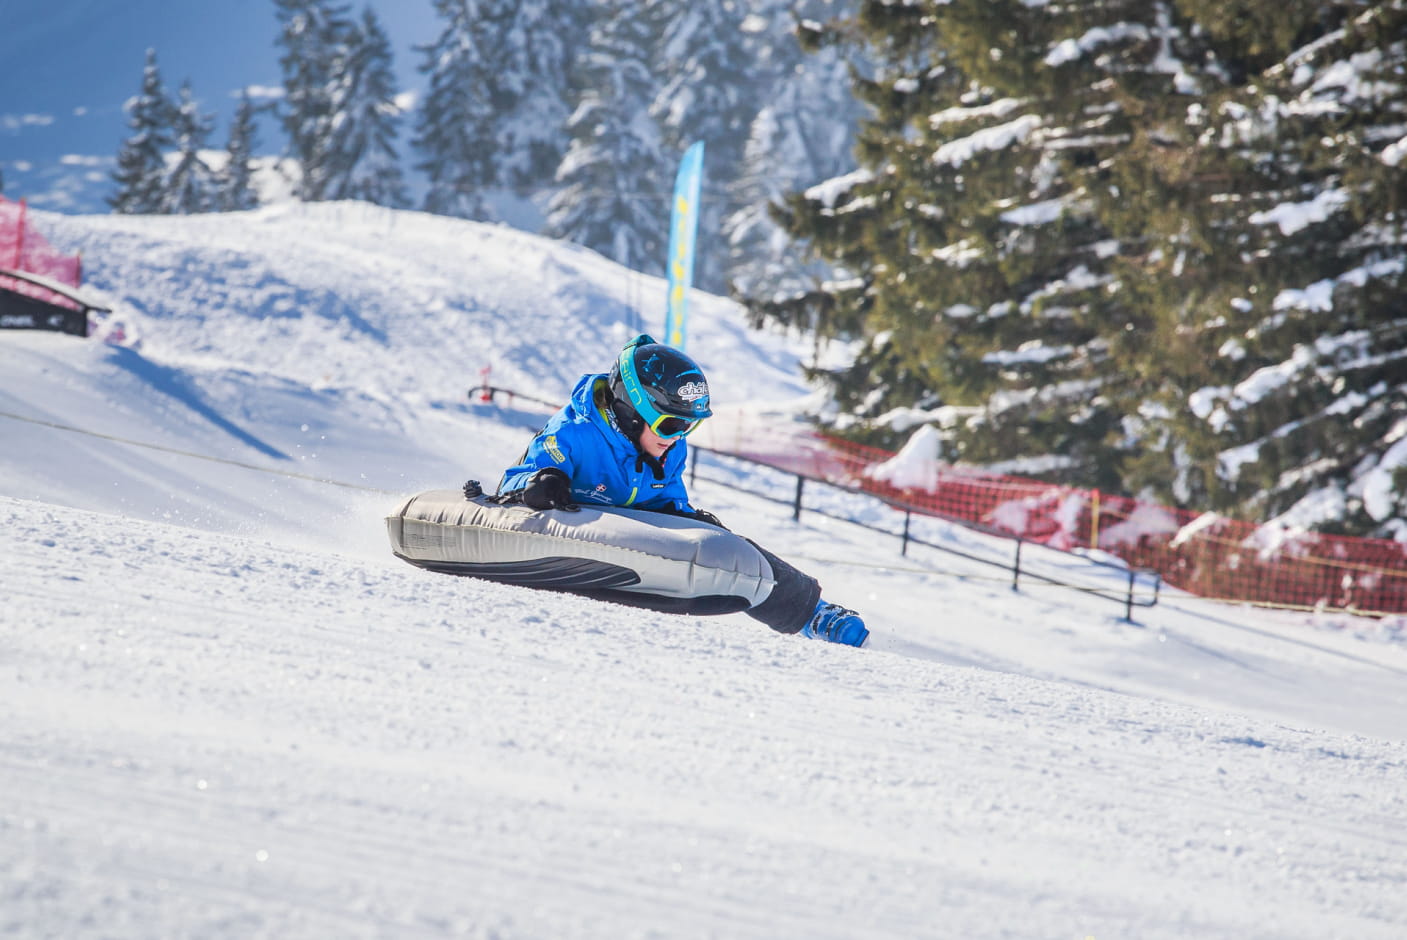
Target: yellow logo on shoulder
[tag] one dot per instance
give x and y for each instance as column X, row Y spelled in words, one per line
column 553, row 450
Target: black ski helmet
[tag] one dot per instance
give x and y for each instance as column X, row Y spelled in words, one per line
column 659, row 382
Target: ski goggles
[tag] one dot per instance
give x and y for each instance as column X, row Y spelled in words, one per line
column 672, row 426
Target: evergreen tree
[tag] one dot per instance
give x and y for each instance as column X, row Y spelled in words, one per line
column 985, row 275
column 1280, row 291
column 1090, row 80
column 614, row 177
column 141, row 168
column 707, row 91
column 455, row 117
column 314, row 35
column 973, row 259
column 190, row 186
column 540, row 46
column 362, row 162
column 493, row 117
column 234, row 183
column 838, row 222
column 1159, row 245
column 803, row 134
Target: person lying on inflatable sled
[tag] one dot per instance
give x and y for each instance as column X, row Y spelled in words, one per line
column 620, row 442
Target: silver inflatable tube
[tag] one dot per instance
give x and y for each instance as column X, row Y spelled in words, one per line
column 594, row 549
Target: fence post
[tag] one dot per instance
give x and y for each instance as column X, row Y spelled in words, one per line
column 796, row 506
column 1016, row 566
column 1128, row 606
column 904, row 547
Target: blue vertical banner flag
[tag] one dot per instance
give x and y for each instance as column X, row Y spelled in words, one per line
column 683, row 232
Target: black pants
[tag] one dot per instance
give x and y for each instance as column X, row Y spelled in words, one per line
column 791, row 602
column 786, row 609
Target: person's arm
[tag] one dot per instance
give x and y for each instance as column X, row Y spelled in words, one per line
column 550, row 449
column 688, row 512
column 674, row 499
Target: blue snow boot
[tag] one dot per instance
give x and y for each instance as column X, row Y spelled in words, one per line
column 835, row 624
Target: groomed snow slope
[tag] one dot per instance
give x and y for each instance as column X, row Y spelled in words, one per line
column 225, row 710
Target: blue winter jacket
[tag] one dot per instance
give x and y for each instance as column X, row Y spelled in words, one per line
column 606, row 467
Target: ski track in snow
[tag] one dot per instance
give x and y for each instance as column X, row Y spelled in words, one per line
column 213, row 735
column 226, row 710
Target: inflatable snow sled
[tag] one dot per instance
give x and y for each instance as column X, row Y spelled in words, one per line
column 645, row 559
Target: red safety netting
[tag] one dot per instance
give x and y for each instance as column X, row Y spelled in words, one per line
column 22, row 248
column 1203, row 553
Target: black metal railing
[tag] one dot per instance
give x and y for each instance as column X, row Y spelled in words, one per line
column 1137, row 587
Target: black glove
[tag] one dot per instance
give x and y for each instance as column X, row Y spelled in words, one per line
column 703, row 515
column 549, row 488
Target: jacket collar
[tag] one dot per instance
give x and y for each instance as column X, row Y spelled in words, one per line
column 589, row 399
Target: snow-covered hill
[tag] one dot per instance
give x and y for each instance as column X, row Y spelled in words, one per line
column 226, row 710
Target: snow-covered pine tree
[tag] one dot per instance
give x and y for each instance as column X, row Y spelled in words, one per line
column 1167, row 228
column 803, row 134
column 455, row 118
column 234, row 186
column 1279, row 323
column 977, row 268
column 846, row 221
column 141, row 168
column 362, row 161
column 493, row 118
column 541, row 44
column 190, row 186
column 1092, row 80
column 313, row 35
column 708, row 91
column 614, row 182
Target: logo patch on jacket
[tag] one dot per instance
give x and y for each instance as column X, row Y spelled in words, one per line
column 553, row 451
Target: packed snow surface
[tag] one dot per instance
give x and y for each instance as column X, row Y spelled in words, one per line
column 226, row 710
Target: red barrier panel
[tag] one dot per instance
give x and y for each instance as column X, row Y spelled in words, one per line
column 22, row 248
column 1205, row 554
column 1202, row 553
